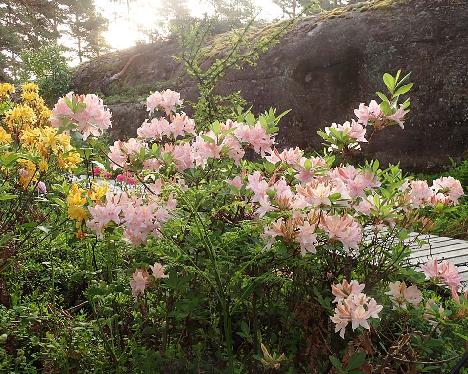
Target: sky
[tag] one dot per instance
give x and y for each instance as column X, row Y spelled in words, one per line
column 125, row 26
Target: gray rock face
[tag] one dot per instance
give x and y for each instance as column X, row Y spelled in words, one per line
column 324, row 68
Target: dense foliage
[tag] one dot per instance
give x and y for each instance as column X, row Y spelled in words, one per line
column 175, row 252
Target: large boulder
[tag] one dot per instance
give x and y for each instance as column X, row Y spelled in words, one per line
column 323, row 68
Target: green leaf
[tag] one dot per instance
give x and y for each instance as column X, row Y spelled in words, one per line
column 403, row 89
column 335, row 362
column 216, row 127
column 406, row 77
column 7, row 196
column 389, row 82
column 356, row 360
column 464, row 337
column 382, row 96
column 206, row 138
column 385, row 108
column 397, row 75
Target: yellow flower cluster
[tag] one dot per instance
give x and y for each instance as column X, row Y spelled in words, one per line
column 31, row 113
column 28, row 125
column 76, row 200
column 6, row 89
column 98, row 191
column 27, row 172
column 47, row 142
column 5, row 138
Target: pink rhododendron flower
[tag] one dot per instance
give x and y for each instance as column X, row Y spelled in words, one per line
column 152, row 164
column 181, row 125
column 235, row 182
column 121, row 152
column 420, row 194
column 265, row 206
column 166, row 100
column 306, row 174
column 203, row 150
column 307, row 238
column 353, row 129
column 256, row 136
column 92, row 118
column 126, row 177
column 234, row 148
column 102, row 215
column 366, row 205
column 368, row 113
column 258, row 185
column 41, row 187
column 140, row 279
column 400, row 294
column 398, row 116
column 154, row 129
column 357, row 309
column 343, row 228
column 61, row 111
column 448, row 186
column 342, row 290
column 356, row 181
column 313, row 194
column 444, row 271
column 183, row 156
column 290, row 156
column 158, row 271
column 97, row 171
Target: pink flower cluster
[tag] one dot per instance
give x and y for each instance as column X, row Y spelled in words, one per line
column 444, row 190
column 353, row 306
column 353, row 129
column 344, row 182
column 123, row 153
column 89, row 114
column 443, row 271
column 401, row 295
column 344, row 229
column 256, row 136
column 138, row 217
column 157, row 128
column 374, row 114
column 141, row 278
column 166, row 100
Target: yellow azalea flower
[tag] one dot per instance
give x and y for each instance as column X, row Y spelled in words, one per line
column 5, row 138
column 75, row 196
column 44, row 115
column 77, row 213
column 20, row 115
column 30, row 87
column 6, row 89
column 27, row 172
column 29, row 96
column 43, row 165
column 70, row 161
column 98, row 191
column 64, row 141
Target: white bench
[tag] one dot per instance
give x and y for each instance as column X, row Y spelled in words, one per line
column 454, row 251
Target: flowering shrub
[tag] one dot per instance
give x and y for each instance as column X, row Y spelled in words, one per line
column 33, row 156
column 247, row 255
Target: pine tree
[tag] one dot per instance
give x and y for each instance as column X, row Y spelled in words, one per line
column 86, row 27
